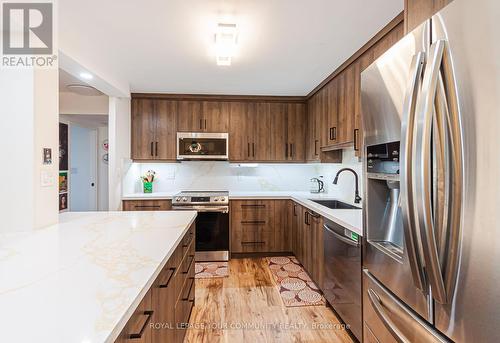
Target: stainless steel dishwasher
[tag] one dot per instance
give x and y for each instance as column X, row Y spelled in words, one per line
column 342, row 281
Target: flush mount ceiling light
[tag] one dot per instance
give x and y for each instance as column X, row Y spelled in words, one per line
column 226, row 37
column 83, row 90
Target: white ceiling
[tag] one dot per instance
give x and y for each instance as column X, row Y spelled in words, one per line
column 286, row 47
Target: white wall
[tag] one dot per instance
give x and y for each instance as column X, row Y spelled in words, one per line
column 119, row 148
column 28, row 123
column 71, row 103
column 198, row 175
column 102, row 171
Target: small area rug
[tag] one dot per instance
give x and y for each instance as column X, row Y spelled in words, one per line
column 209, row 270
column 293, row 283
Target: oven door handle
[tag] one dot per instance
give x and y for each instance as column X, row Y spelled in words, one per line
column 221, row 209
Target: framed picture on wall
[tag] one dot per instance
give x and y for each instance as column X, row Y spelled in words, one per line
column 63, row 201
column 63, row 182
column 63, row 146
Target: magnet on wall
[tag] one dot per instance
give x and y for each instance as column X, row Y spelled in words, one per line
column 47, row 156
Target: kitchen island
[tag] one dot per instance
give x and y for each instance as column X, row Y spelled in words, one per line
column 82, row 279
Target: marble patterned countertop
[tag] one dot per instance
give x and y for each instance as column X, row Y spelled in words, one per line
column 79, row 281
column 350, row 219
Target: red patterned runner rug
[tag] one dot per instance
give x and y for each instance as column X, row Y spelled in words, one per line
column 294, row 284
column 209, row 270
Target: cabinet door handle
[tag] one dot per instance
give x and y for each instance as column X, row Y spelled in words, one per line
column 138, row 335
column 148, row 206
column 331, row 133
column 248, row 149
column 334, row 129
column 186, row 298
column 167, row 283
column 286, row 150
column 295, row 210
column 356, row 132
column 253, row 242
column 253, row 149
column 151, row 149
column 314, row 215
column 205, row 124
column 306, row 216
column 201, row 125
column 254, row 205
column 156, row 149
column 316, row 147
column 189, row 264
column 256, row 222
column 291, row 150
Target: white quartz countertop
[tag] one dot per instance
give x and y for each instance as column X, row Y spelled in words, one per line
column 350, row 219
column 79, row 281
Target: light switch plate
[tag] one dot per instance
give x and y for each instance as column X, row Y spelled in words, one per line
column 46, row 178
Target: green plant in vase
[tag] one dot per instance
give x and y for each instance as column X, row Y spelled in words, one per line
column 147, row 181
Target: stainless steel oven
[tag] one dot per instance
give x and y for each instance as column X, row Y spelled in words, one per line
column 212, row 222
column 202, row 146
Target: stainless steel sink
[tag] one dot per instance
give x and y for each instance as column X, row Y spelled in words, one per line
column 335, row 204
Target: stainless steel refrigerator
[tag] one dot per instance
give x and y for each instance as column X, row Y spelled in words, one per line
column 431, row 117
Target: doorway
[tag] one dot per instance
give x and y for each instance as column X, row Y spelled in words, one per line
column 83, row 170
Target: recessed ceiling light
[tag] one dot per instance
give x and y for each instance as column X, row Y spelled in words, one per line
column 226, row 38
column 86, row 76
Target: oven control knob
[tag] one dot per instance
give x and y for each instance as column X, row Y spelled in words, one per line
column 178, row 199
column 184, row 199
column 216, row 199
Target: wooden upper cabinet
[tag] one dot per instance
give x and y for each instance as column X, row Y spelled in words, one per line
column 260, row 116
column 417, row 11
column 331, row 129
column 313, row 140
column 215, row 116
column 166, row 130
column 358, row 132
column 189, row 118
column 203, row 116
column 296, row 132
column 143, row 129
column 345, row 132
column 279, row 124
column 267, row 131
column 239, row 149
column 153, row 129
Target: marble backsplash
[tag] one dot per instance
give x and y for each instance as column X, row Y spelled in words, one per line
column 210, row 175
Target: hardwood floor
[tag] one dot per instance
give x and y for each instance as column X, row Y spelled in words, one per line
column 248, row 297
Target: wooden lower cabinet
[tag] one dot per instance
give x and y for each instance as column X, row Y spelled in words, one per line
column 163, row 314
column 307, row 240
column 278, row 226
column 261, row 226
column 147, row 205
column 252, row 226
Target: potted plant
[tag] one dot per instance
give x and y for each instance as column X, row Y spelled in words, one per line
column 147, row 181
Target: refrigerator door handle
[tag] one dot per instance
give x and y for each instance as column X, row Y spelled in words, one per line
column 412, row 238
column 388, row 323
column 422, row 182
column 439, row 96
column 447, row 109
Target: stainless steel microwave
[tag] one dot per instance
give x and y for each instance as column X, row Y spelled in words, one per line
column 202, row 146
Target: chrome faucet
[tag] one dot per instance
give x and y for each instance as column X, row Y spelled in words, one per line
column 357, row 198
